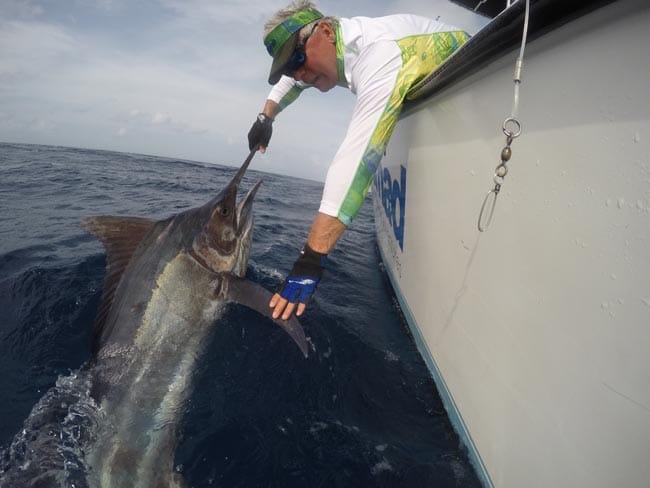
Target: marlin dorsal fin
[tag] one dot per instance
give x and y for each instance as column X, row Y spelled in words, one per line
column 120, row 236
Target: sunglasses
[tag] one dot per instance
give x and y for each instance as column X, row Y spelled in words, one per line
column 298, row 56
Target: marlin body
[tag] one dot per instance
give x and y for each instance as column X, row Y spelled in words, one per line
column 167, row 282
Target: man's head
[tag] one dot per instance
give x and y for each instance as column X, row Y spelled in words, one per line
column 302, row 43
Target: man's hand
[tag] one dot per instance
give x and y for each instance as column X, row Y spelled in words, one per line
column 260, row 133
column 300, row 285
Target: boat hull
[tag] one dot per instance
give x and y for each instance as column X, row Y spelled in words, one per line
column 536, row 331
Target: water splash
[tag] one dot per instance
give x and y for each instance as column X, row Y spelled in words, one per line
column 49, row 449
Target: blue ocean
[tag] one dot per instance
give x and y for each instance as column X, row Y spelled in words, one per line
column 361, row 411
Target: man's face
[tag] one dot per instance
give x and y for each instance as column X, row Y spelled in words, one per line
column 320, row 68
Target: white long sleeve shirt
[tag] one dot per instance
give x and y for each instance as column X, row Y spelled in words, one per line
column 380, row 59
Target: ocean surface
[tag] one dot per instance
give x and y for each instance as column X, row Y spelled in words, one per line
column 361, row 411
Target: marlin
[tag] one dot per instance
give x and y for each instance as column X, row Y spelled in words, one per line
column 167, row 282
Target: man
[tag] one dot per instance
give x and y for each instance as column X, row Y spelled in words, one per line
column 378, row 59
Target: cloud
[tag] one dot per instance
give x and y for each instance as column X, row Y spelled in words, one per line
column 19, row 9
column 222, row 13
column 32, row 48
column 103, row 5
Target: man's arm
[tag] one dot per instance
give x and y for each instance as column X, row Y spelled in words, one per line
column 325, row 232
column 271, row 109
column 283, row 93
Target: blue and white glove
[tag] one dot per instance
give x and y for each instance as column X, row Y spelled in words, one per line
column 307, row 271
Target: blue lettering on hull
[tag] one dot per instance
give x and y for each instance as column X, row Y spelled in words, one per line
column 393, row 199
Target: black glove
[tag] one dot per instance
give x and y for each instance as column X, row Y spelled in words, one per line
column 260, row 133
column 307, row 271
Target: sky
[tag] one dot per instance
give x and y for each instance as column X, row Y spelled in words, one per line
column 182, row 79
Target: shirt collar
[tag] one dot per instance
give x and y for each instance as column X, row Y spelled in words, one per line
column 342, row 81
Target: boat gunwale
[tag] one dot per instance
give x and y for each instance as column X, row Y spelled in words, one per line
column 496, row 39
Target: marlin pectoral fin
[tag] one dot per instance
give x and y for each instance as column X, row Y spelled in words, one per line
column 254, row 296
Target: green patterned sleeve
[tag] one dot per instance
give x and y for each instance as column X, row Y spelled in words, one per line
column 286, row 91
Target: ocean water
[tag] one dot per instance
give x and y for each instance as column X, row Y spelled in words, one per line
column 361, row 411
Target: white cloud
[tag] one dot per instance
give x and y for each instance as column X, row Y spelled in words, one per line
column 19, row 9
column 159, row 118
column 103, row 5
column 32, row 48
column 224, row 12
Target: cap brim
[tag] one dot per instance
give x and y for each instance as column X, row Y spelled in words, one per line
column 280, row 61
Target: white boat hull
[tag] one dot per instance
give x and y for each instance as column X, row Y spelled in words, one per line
column 538, row 330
